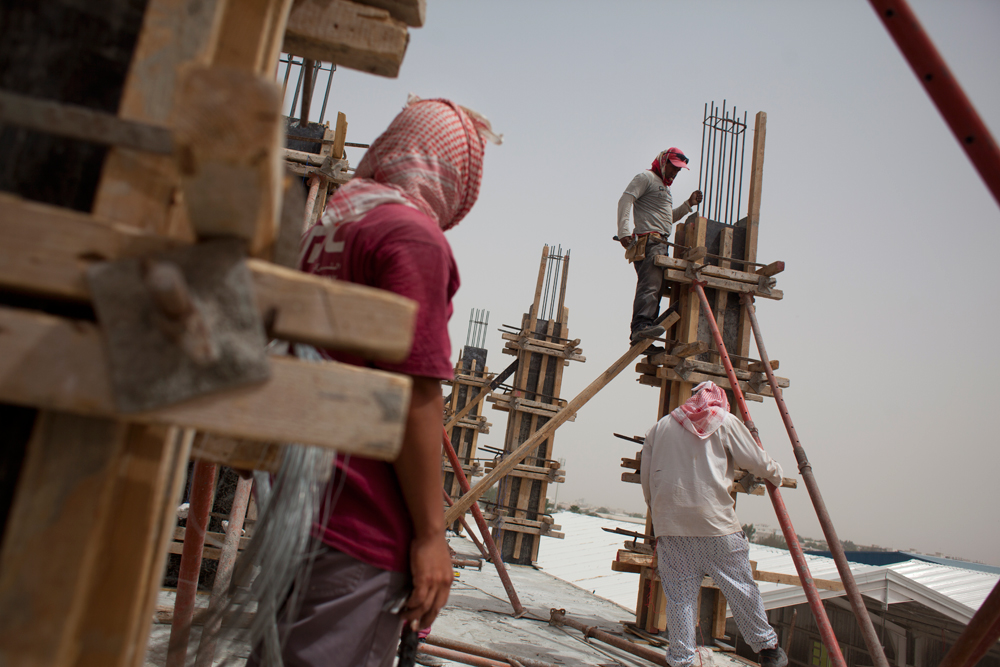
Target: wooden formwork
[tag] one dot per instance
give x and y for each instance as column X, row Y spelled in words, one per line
column 543, row 349
column 471, row 377
column 93, row 515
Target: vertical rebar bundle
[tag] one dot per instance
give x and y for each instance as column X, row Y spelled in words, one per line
column 479, row 320
column 720, row 170
column 298, row 65
column 553, row 276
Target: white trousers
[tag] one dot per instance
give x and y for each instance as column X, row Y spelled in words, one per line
column 682, row 562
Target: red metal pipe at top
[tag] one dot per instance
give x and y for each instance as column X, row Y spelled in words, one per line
column 941, row 85
column 798, row 557
column 200, row 504
column 484, row 529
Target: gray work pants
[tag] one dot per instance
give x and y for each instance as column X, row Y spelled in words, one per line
column 340, row 621
column 649, row 282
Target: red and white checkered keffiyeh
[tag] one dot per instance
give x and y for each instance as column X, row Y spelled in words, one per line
column 430, row 158
column 704, row 412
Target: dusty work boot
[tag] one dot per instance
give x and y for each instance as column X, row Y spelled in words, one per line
column 652, row 331
column 773, row 657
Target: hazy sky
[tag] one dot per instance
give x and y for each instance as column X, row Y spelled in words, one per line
column 887, row 327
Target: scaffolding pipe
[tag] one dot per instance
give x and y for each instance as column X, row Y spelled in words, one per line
column 798, row 557
column 943, row 88
column 979, row 635
column 805, row 469
column 445, row 642
column 200, row 504
column 459, row 657
column 558, row 617
column 310, row 203
column 465, row 524
column 224, row 573
column 484, row 528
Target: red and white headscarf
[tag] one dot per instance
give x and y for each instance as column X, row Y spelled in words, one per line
column 430, row 158
column 663, row 158
column 704, row 412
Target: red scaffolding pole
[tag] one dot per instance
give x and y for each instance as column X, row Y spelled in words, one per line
column 798, row 557
column 941, row 85
column 484, row 529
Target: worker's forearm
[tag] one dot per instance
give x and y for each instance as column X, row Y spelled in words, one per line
column 418, row 466
column 624, row 207
column 681, row 211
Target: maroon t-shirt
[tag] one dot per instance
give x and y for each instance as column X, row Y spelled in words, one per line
column 399, row 249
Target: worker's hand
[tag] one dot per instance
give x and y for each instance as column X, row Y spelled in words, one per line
column 430, row 564
column 695, row 198
column 626, row 241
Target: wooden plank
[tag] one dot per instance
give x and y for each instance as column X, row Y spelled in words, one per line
column 347, row 34
column 462, row 504
column 691, row 349
column 137, row 188
column 115, row 624
column 669, row 361
column 230, row 163
column 676, row 264
column 771, row 269
column 47, row 250
column 340, row 136
column 371, row 322
column 236, row 453
column 792, row 580
column 722, row 298
column 53, row 537
column 411, row 12
column 753, row 223
column 728, row 285
column 251, row 34
column 61, row 364
column 654, row 381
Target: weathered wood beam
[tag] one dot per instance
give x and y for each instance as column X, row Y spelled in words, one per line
column 61, row 364
column 47, row 250
column 230, row 161
column 347, row 34
column 411, row 12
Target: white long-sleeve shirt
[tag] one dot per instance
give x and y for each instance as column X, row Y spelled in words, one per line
column 687, row 480
column 651, row 204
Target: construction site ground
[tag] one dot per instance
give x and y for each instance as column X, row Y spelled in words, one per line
column 479, row 613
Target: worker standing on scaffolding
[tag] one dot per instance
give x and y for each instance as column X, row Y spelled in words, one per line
column 687, row 472
column 648, row 195
column 383, row 559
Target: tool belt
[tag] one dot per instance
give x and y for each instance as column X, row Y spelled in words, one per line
column 637, row 251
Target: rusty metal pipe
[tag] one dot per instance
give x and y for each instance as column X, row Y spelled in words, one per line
column 504, row 658
column 200, row 504
column 979, row 635
column 465, row 524
column 784, row 520
column 484, row 528
column 558, row 617
column 944, row 90
column 805, row 469
column 456, row 656
column 224, row 573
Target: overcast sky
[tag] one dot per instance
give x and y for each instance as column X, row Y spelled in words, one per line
column 887, row 329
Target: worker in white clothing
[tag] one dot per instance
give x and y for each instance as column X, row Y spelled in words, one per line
column 648, row 197
column 687, row 470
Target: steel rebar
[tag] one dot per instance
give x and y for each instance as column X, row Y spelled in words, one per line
column 825, row 521
column 558, row 617
column 483, row 652
column 798, row 557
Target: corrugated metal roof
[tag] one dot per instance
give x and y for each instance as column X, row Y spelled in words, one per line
column 584, row 558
